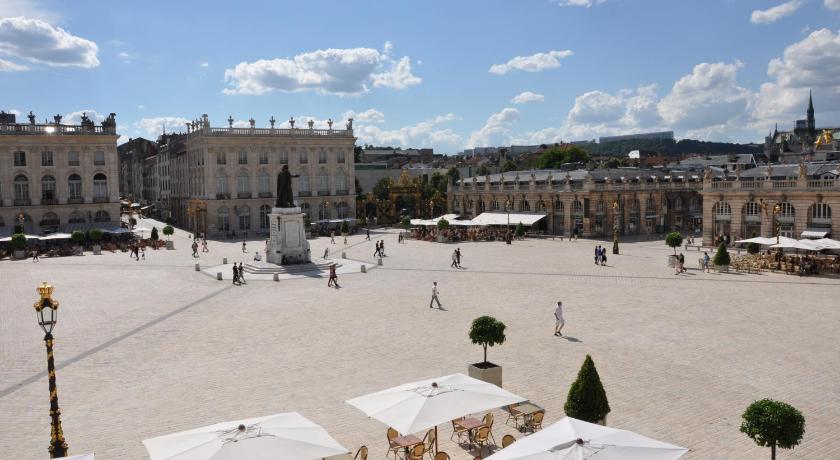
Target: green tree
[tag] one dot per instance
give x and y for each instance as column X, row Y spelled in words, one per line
column 587, row 399
column 405, row 222
column 721, row 256
column 168, row 231
column 487, row 332
column 773, row 423
column 442, row 224
column 482, row 170
column 359, row 191
column 345, row 229
column 382, row 189
column 19, row 241
column 307, row 222
column 437, row 184
column 78, row 237
column 169, row 221
column 752, row 248
column 357, row 154
column 554, row 157
column 453, row 174
column 155, row 235
column 509, row 166
column 520, row 230
column 674, row 240
column 95, row 235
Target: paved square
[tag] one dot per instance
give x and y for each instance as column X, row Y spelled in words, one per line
column 153, row 347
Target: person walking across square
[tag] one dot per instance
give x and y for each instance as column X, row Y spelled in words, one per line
column 241, row 274
column 435, row 293
column 235, row 274
column 454, row 263
column 333, row 277
column 458, row 257
column 559, row 322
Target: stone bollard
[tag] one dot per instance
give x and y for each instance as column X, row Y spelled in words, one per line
column 343, row 255
column 197, row 268
column 364, row 268
column 276, row 277
column 224, row 261
column 219, row 276
column 379, row 261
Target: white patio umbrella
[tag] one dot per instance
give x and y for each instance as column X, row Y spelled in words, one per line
column 768, row 241
column 828, row 243
column 574, row 439
column 418, row 406
column 287, row 436
column 807, row 245
column 77, row 457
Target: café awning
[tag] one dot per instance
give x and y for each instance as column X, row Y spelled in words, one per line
column 501, row 218
column 815, row 233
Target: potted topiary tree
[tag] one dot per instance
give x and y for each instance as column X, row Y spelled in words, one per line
column 95, row 236
column 773, row 423
column 442, row 224
column 405, row 222
column 345, row 228
column 78, row 237
column 168, row 231
column 19, row 246
column 154, row 237
column 520, row 230
column 721, row 259
column 587, row 399
column 674, row 240
column 487, row 332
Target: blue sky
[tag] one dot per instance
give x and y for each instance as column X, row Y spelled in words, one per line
column 442, row 74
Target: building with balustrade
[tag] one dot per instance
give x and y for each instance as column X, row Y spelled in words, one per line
column 223, row 181
column 57, row 177
column 791, row 200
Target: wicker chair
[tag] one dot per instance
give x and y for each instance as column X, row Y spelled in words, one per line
column 457, row 430
column 488, row 422
column 429, row 442
column 534, row 422
column 392, row 446
column 361, row 454
column 441, row 456
column 507, row 440
column 482, row 438
column 417, row 452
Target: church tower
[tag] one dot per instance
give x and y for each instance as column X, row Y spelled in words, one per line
column 812, row 125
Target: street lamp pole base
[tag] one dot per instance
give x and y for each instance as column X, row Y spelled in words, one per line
column 615, row 247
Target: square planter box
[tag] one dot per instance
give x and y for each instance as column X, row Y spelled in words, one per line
column 170, row 244
column 97, row 250
column 19, row 254
column 491, row 374
column 722, row 268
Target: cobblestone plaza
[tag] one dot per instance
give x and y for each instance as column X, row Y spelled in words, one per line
column 150, row 347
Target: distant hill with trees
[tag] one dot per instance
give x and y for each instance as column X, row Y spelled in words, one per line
column 669, row 147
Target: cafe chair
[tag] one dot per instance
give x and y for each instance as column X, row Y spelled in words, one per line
column 361, row 454
column 534, row 422
column 429, row 442
column 507, row 440
column 392, row 446
column 482, row 438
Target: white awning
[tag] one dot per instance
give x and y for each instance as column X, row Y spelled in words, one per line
column 501, row 218
column 815, row 233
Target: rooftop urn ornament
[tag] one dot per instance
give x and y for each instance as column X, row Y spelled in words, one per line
column 272, row 121
column 57, row 118
column 230, row 121
column 329, row 123
column 31, row 117
column 311, row 123
column 292, row 122
column 252, row 122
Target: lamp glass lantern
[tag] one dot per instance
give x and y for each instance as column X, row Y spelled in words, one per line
column 46, row 308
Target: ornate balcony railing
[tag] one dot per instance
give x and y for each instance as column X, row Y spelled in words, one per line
column 49, row 201
column 54, row 130
column 784, row 184
column 323, row 193
column 22, row 202
column 264, row 195
column 222, row 196
column 273, row 132
column 75, row 200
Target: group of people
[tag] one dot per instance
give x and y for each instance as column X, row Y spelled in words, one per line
column 600, row 255
column 380, row 249
column 456, row 258
column 137, row 250
column 679, row 263
column 238, row 274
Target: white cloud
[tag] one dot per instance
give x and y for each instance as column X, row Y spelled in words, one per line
column 526, row 97
column 154, row 126
column 708, row 96
column 9, row 66
column 38, row 41
column 29, row 9
column 75, row 118
column 368, row 116
column 427, row 133
column 141, row 106
column 586, row 3
column 205, row 64
column 812, row 63
column 832, row 4
column 533, row 63
column 331, row 71
column 496, row 131
column 598, row 113
column 125, row 57
column 775, row 13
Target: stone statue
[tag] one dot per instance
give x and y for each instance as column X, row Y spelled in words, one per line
column 252, row 122
column 738, row 172
column 707, row 176
column 272, row 121
column 803, row 170
column 284, row 189
column 230, row 121
column 329, row 123
column 349, row 123
column 311, row 123
column 31, row 117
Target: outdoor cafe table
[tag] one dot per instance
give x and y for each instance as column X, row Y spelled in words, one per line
column 469, row 424
column 523, row 410
column 406, row 442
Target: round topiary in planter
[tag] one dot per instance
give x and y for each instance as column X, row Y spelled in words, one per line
column 773, row 424
column 168, row 231
column 674, row 240
column 487, row 332
column 95, row 236
column 19, row 245
column 78, row 238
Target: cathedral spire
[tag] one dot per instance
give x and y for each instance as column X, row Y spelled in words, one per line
column 812, row 125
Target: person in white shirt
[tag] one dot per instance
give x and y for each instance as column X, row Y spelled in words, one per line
column 559, row 322
column 434, row 295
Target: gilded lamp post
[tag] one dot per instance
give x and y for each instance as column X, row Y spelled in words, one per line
column 615, row 227
column 47, row 310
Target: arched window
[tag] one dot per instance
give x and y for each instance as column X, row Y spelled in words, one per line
column 787, row 210
column 650, row 206
column 48, row 189
column 76, row 217
column 694, row 205
column 577, row 208
column 494, row 204
column 323, row 181
column 558, row 206
column 101, row 216
column 100, row 187
column 305, row 208
column 752, row 209
column 524, row 206
column 74, row 187
column 342, row 209
column 223, row 219
column 323, row 211
column 678, row 204
column 634, row 206
column 21, row 189
column 303, row 182
column 243, row 185
column 600, row 207
column 722, row 211
column 244, row 214
column 264, row 211
column 221, row 185
column 263, row 184
column 821, row 211
column 50, row 221
column 341, row 182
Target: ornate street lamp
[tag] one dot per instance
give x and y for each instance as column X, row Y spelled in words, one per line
column 508, row 204
column 777, row 209
column 47, row 310
column 615, row 227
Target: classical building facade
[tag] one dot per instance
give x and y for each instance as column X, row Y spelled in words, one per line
column 223, row 181
column 132, row 159
column 791, row 200
column 57, row 177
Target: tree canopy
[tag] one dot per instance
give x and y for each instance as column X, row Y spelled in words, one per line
column 554, row 157
column 382, row 189
column 509, row 166
column 774, row 424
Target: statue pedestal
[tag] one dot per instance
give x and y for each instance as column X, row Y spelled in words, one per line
column 287, row 242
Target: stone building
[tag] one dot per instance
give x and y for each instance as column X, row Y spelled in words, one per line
column 223, row 181
column 132, row 157
column 57, row 177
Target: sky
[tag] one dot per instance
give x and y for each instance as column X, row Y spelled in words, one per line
column 448, row 75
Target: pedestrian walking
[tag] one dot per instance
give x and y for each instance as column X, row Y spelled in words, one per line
column 597, row 254
column 458, row 257
column 706, row 262
column 333, row 277
column 332, row 237
column 35, row 256
column 204, row 245
column 382, row 248
column 143, row 252
column 244, row 247
column 235, row 274
column 367, row 234
column 454, row 263
column 559, row 321
column 376, row 252
column 603, row 256
column 242, row 274
column 682, row 263
column 435, row 293
column 195, row 248
column 326, row 252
